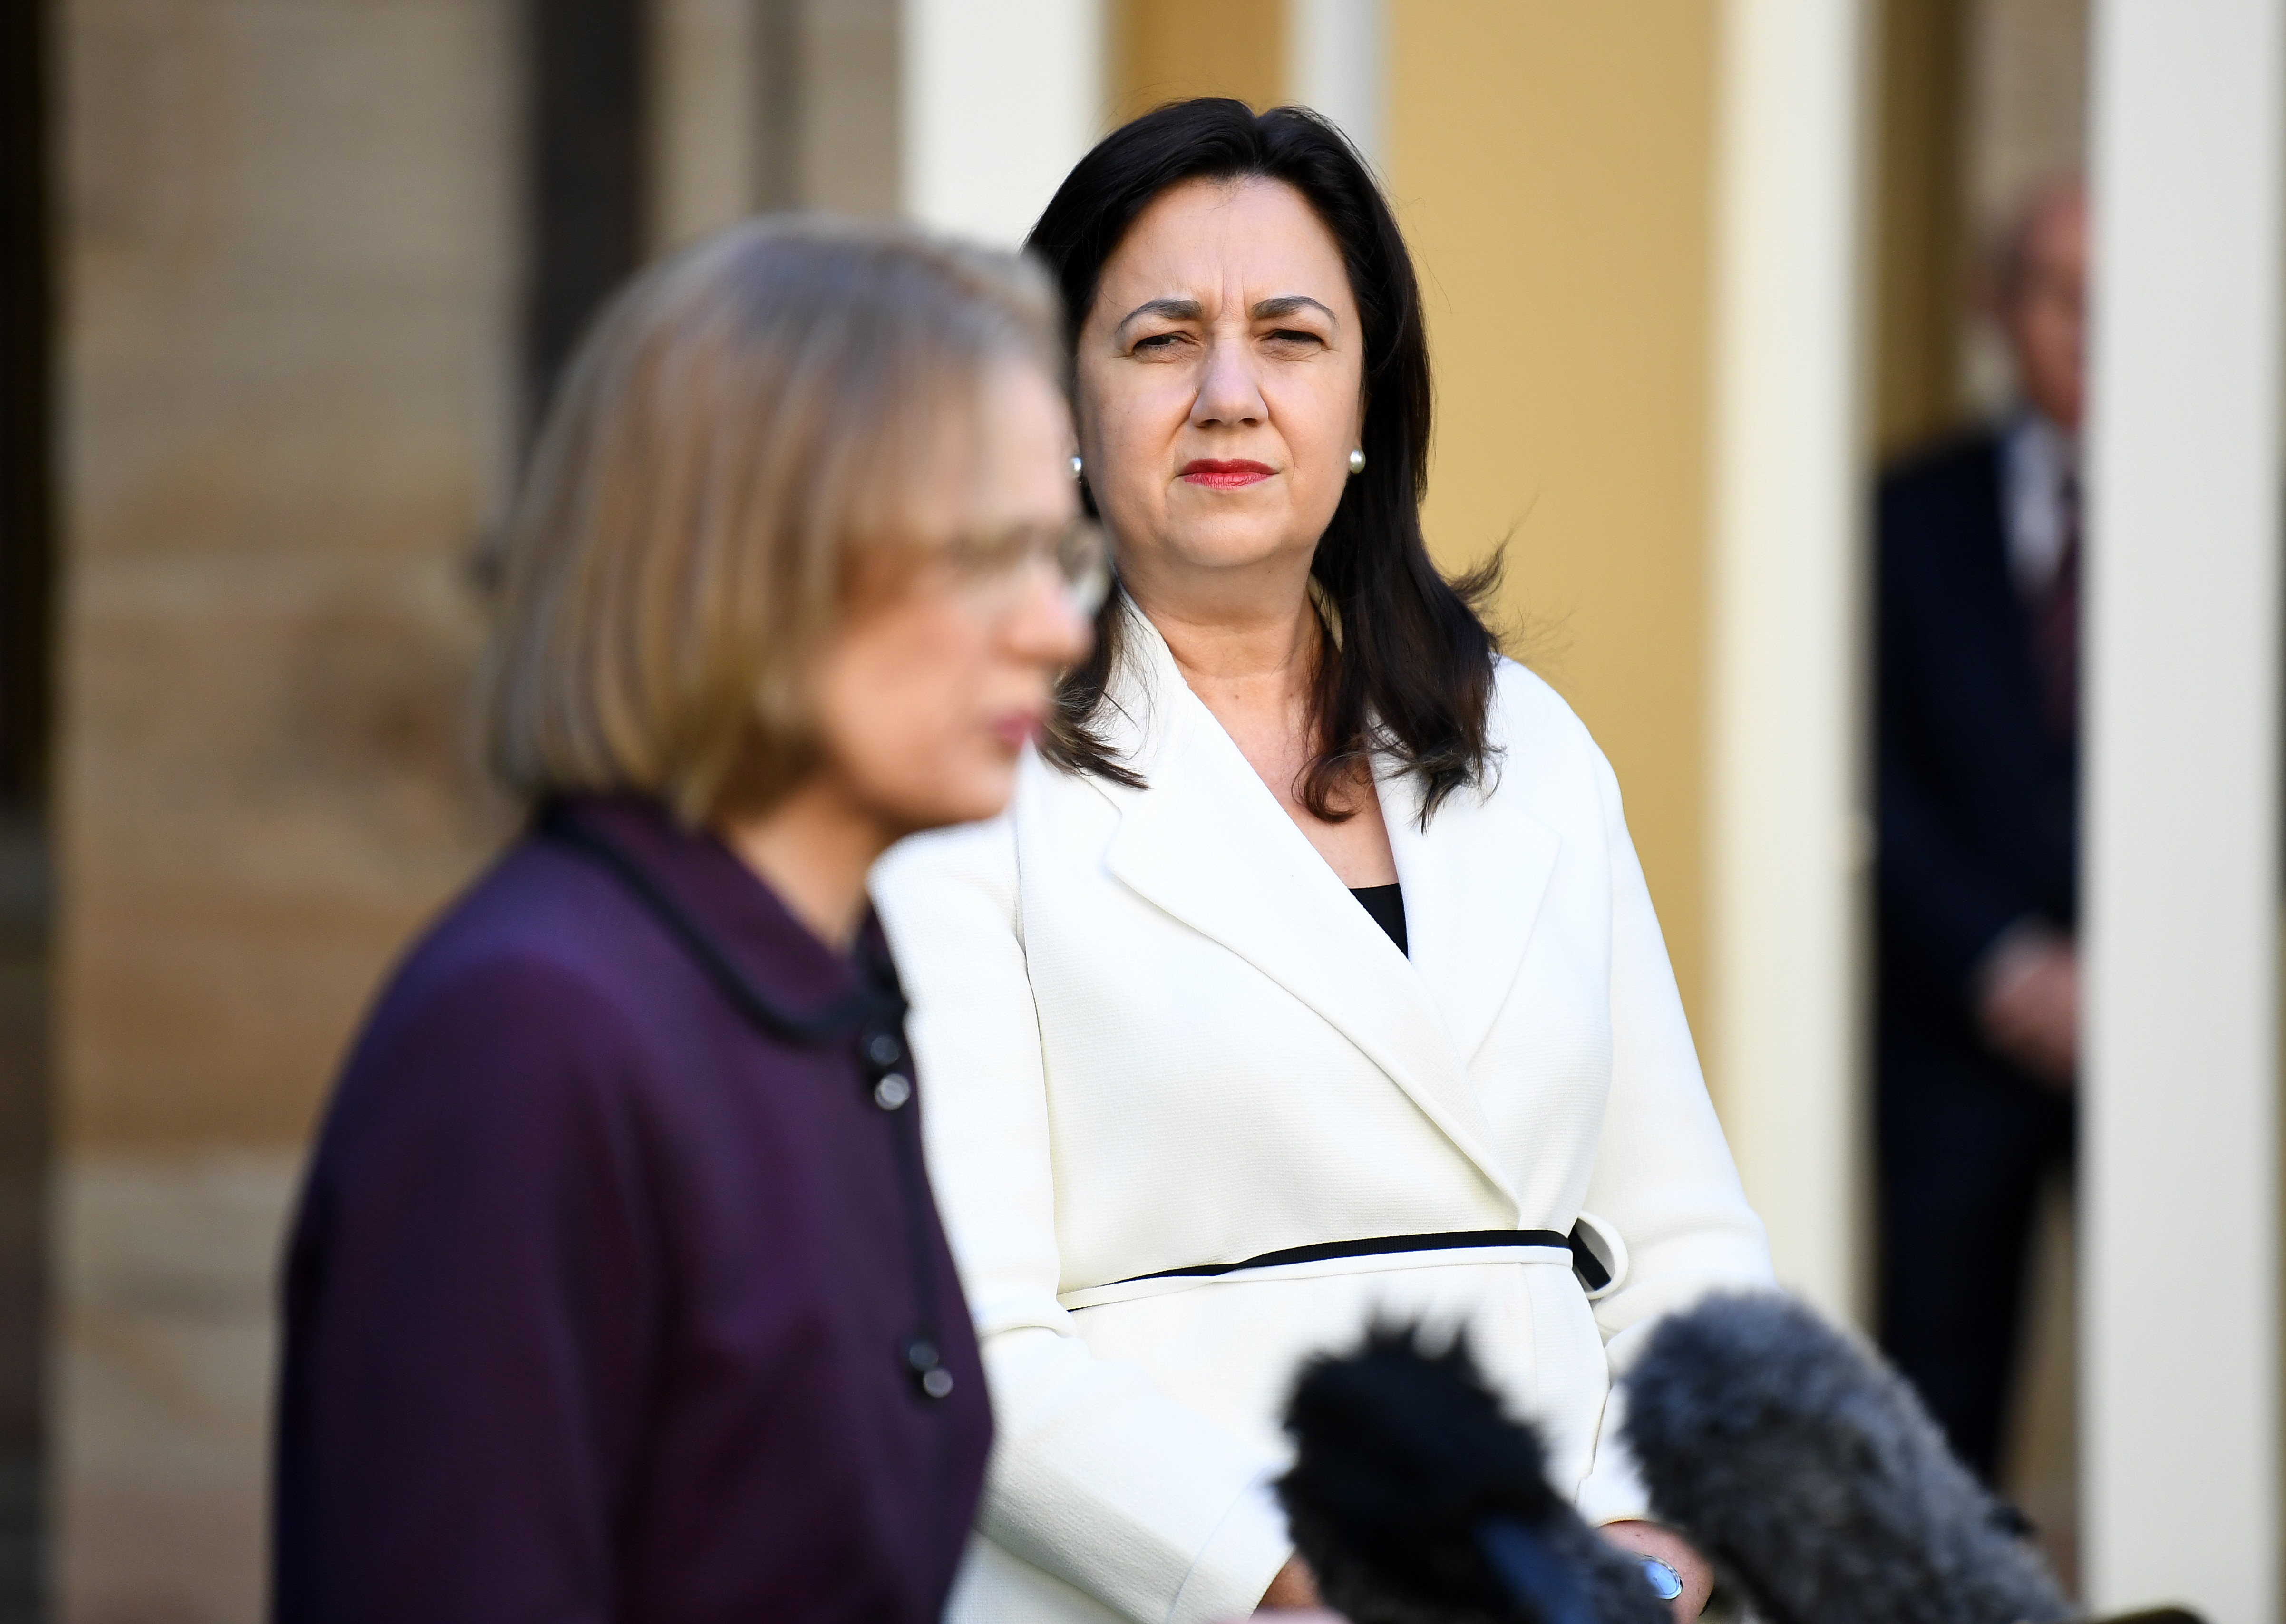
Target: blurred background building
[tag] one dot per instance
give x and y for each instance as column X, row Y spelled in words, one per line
column 285, row 282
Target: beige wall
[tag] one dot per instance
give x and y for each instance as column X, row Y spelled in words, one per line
column 1550, row 163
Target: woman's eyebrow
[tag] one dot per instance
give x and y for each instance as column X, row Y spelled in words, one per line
column 1169, row 310
column 1286, row 304
column 1191, row 310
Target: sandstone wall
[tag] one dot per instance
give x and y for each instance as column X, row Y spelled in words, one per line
column 289, row 244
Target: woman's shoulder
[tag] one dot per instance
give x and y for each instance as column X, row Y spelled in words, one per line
column 1529, row 720
column 1543, row 760
column 536, row 971
column 506, row 1066
column 542, row 918
column 925, row 881
column 1050, row 803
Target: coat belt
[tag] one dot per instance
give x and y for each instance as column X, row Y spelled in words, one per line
column 1585, row 1264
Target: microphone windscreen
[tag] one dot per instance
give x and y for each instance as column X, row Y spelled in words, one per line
column 1812, row 1473
column 1415, row 1499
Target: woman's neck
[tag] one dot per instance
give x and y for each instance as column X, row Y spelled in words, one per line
column 1258, row 662
column 1258, row 674
column 813, row 848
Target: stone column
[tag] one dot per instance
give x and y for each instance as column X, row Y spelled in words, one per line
column 1337, row 62
column 2179, row 1168
column 999, row 99
column 1790, row 837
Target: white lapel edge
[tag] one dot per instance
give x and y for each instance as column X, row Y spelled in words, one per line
column 1473, row 884
column 1169, row 849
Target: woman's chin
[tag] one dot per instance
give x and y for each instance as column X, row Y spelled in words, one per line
column 1217, row 549
column 979, row 794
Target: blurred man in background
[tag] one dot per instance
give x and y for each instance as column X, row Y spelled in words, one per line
column 1979, row 771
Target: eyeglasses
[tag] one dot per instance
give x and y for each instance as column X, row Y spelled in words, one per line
column 993, row 563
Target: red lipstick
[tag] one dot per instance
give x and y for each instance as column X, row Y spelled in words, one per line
column 1225, row 476
column 1016, row 728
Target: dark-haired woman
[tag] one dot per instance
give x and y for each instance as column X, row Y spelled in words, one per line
column 1311, row 974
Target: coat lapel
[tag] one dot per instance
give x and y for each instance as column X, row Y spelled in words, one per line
column 1472, row 892
column 1207, row 843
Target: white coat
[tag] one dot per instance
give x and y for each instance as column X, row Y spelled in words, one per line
column 1156, row 1032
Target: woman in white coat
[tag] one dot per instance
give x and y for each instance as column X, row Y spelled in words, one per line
column 1311, row 974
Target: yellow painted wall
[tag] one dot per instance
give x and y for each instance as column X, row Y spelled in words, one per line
column 1166, row 50
column 1551, row 163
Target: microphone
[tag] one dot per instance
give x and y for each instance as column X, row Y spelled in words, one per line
column 1416, row 1500
column 1805, row 1471
column 1811, row 1475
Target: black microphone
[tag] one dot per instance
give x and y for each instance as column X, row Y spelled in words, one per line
column 1812, row 1476
column 1804, row 1470
column 1417, row 1500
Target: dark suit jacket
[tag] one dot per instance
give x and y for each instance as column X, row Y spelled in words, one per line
column 1978, row 802
column 596, row 1298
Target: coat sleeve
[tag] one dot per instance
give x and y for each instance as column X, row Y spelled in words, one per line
column 465, row 1364
column 1663, row 1178
column 1097, row 1476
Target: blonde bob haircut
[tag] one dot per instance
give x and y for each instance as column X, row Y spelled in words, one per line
column 748, row 426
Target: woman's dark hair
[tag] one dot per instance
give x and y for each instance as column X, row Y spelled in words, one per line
column 1410, row 652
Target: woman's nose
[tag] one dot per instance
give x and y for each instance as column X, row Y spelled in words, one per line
column 1228, row 393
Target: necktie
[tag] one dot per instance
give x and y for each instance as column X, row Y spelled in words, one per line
column 2055, row 624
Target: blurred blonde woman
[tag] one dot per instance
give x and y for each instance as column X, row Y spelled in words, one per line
column 617, row 1291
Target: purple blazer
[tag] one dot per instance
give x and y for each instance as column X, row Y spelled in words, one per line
column 606, row 1301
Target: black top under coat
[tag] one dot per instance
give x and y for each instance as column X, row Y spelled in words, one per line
column 1386, row 904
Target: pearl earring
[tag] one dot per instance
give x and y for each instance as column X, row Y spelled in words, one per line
column 1356, row 461
column 1076, row 465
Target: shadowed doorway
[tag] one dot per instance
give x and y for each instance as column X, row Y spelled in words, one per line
column 27, row 577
